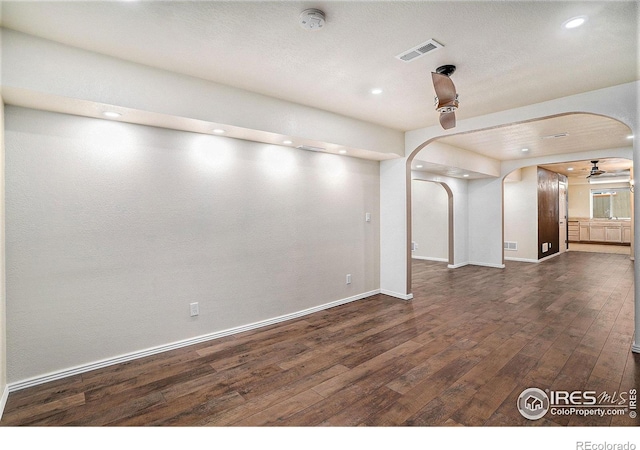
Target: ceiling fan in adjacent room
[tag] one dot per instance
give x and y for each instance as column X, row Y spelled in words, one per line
column 446, row 100
column 595, row 171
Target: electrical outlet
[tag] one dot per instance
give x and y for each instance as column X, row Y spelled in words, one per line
column 195, row 310
column 348, row 278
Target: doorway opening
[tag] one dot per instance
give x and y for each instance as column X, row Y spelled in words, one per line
column 599, row 207
column 431, row 229
column 431, row 221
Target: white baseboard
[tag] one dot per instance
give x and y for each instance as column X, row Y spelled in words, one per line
column 3, row 400
column 429, row 258
column 483, row 264
column 474, row 263
column 527, row 260
column 535, row 261
column 12, row 387
column 396, row 294
column 549, row 257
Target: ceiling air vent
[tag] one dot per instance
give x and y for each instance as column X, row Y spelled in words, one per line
column 419, row 50
column 556, row 136
column 310, row 148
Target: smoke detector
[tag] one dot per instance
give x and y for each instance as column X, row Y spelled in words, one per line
column 312, row 19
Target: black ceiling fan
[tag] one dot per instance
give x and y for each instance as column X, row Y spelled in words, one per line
column 595, row 171
column 446, row 100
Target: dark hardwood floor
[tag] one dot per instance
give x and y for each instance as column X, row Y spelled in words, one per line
column 459, row 353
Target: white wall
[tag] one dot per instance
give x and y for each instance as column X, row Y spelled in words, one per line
column 521, row 215
column 4, row 391
column 393, row 229
column 485, row 222
column 430, row 220
column 459, row 192
column 579, row 202
column 580, row 196
column 113, row 229
column 447, row 155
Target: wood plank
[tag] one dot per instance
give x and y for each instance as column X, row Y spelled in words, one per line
column 491, row 395
column 459, row 353
column 415, row 399
column 267, row 400
column 28, row 416
column 280, row 411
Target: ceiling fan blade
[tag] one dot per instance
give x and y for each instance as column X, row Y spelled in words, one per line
column 448, row 120
column 444, row 87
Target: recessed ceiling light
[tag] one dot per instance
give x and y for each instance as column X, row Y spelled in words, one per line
column 111, row 114
column 630, row 136
column 525, row 150
column 376, row 91
column 419, row 166
column 574, row 22
column 466, row 175
column 342, row 152
column 287, row 142
column 218, row 131
column 569, row 169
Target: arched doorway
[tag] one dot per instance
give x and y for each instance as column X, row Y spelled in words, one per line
column 492, row 153
column 432, row 220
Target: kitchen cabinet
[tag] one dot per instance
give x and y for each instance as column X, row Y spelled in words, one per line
column 584, row 231
column 574, row 230
column 610, row 231
column 596, row 232
column 626, row 234
column 613, row 233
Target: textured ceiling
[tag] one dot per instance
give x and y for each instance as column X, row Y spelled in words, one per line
column 508, row 54
column 575, row 133
column 564, row 134
column 580, row 169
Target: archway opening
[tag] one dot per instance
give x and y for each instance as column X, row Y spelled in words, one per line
column 485, row 156
column 432, row 220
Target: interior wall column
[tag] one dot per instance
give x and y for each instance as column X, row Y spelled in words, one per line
column 4, row 390
column 393, row 228
column 636, row 235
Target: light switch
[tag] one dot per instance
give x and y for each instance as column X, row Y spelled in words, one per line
column 367, row 217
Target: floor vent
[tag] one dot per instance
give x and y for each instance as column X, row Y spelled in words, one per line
column 511, row 246
column 419, row 50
